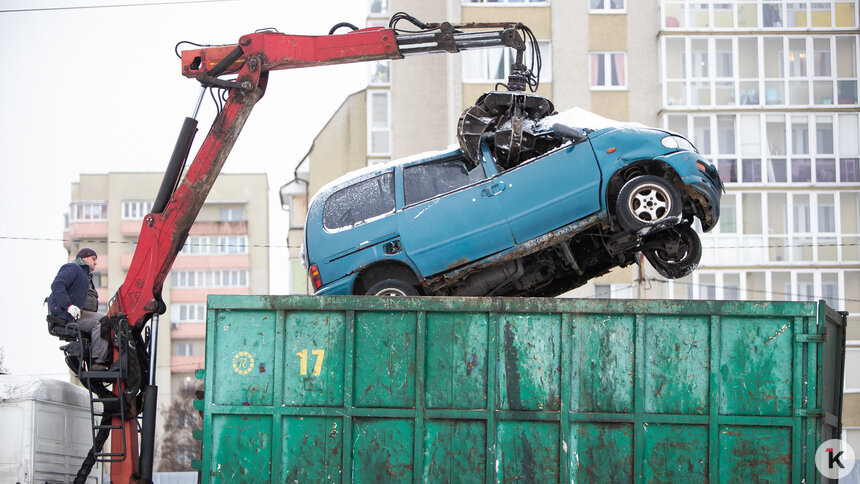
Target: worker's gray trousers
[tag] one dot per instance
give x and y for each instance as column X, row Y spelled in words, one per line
column 89, row 323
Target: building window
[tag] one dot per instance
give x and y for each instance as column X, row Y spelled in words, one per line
column 209, row 279
column 184, row 349
column 379, row 123
column 231, row 214
column 88, row 211
column 379, row 73
column 99, row 279
column 608, row 70
column 698, row 14
column 796, row 71
column 378, row 7
column 215, row 244
column 779, row 227
column 135, row 209
column 188, row 313
column 483, row 66
column 771, row 285
column 613, row 291
column 796, row 148
column 606, row 6
column 497, row 2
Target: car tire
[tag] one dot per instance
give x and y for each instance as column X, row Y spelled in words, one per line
column 674, row 253
column 392, row 287
column 646, row 203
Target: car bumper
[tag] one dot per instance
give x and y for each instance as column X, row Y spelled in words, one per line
column 340, row 287
column 709, row 199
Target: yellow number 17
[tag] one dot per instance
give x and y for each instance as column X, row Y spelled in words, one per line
column 303, row 361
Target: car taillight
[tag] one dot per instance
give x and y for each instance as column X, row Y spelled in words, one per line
column 314, row 272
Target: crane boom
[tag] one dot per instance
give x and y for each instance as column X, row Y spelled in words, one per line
column 180, row 198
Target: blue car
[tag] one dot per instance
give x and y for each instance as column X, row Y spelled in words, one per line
column 439, row 224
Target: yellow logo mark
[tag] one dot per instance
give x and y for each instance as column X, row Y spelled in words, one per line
column 243, row 363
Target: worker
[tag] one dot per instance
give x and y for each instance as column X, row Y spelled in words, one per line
column 74, row 298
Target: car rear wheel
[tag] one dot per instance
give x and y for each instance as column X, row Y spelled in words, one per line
column 675, row 252
column 647, row 202
column 392, row 287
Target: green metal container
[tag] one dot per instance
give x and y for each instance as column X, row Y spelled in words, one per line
column 365, row 389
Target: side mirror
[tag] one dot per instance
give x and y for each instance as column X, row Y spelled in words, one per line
column 565, row 131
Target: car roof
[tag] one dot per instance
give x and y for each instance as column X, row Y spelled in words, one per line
column 378, row 169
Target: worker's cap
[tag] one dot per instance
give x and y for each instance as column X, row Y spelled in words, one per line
column 86, row 252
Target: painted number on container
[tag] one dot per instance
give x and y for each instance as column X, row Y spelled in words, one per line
column 303, row 361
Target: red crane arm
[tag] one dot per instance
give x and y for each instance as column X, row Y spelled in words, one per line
column 282, row 51
column 164, row 231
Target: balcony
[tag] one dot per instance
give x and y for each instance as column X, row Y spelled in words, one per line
column 219, row 228
column 218, row 261
column 188, row 331
column 79, row 230
column 185, row 364
column 197, row 295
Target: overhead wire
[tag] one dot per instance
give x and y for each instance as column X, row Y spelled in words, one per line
column 122, row 5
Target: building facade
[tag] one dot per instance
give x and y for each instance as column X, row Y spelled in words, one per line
column 766, row 89
column 226, row 253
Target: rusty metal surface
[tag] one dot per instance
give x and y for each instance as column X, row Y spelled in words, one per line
column 365, row 389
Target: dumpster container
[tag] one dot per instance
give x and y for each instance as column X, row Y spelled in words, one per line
column 366, row 389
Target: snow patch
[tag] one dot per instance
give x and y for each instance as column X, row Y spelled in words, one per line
column 581, row 118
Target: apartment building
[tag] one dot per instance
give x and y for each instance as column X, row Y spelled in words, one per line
column 767, row 89
column 225, row 253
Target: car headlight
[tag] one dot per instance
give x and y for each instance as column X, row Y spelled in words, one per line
column 674, row 142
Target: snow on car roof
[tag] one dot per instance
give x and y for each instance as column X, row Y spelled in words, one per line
column 381, row 167
column 581, row 118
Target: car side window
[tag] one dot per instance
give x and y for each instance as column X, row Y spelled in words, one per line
column 359, row 202
column 428, row 180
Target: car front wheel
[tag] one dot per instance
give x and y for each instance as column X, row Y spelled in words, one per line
column 392, row 287
column 647, row 202
column 675, row 252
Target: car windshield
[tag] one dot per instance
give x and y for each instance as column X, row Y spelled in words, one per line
column 428, row 180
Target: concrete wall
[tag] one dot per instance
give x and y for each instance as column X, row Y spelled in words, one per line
column 341, row 146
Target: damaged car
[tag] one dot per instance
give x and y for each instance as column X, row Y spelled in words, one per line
column 587, row 196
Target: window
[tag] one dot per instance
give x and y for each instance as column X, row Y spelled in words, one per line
column 728, row 214
column 379, row 73
column 428, row 180
column 360, row 202
column 88, row 211
column 99, row 279
column 184, row 349
column 751, row 170
column 208, row 279
column 826, row 213
column 378, row 7
column 378, row 122
column 188, row 313
column 613, row 291
column 494, row 65
column 231, row 214
column 608, row 70
column 135, row 209
column 215, row 244
column 495, row 2
column 605, row 6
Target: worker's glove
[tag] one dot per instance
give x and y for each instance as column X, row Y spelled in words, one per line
column 74, row 311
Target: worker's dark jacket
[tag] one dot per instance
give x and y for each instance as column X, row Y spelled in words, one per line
column 70, row 287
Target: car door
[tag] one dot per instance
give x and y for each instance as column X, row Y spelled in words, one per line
column 549, row 192
column 449, row 216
